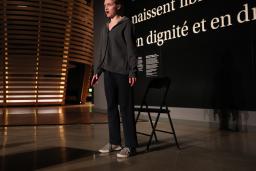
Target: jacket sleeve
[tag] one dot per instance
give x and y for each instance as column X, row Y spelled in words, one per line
column 129, row 34
column 97, row 57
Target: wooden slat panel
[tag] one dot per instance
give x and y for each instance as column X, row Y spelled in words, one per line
column 10, row 89
column 80, row 60
column 2, row 91
column 27, row 3
column 34, row 79
column 84, row 43
column 37, row 39
column 82, row 32
column 1, row 80
column 39, row 94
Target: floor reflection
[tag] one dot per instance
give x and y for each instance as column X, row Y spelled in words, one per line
column 51, row 115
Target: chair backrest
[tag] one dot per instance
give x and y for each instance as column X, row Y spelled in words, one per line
column 161, row 84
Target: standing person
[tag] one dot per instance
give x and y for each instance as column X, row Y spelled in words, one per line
column 118, row 60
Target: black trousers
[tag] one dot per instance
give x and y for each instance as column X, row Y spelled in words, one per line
column 119, row 92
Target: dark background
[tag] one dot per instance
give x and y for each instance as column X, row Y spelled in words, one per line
column 74, row 83
column 208, row 70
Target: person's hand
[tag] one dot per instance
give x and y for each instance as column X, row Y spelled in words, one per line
column 132, row 81
column 95, row 78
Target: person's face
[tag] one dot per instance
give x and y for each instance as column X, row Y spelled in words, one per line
column 111, row 8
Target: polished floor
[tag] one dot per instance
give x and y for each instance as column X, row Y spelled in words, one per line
column 67, row 139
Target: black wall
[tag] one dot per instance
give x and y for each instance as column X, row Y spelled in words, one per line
column 75, row 82
column 209, row 69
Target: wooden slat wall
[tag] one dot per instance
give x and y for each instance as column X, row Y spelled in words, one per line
column 1, row 70
column 21, row 34
column 2, row 57
column 1, row 53
column 53, row 60
column 81, row 42
column 38, row 39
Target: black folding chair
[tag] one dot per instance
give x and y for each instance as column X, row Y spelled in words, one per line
column 161, row 85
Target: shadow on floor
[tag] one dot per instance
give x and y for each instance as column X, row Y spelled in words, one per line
column 42, row 158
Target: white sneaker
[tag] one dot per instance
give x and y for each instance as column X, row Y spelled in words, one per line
column 109, row 148
column 126, row 152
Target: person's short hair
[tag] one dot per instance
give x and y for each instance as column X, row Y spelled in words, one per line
column 119, row 2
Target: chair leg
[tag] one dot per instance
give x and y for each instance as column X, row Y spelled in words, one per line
column 174, row 134
column 153, row 131
column 152, row 126
column 137, row 117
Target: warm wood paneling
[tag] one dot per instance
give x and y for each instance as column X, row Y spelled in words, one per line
column 38, row 38
column 81, row 42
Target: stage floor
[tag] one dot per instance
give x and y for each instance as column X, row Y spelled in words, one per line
column 67, row 139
